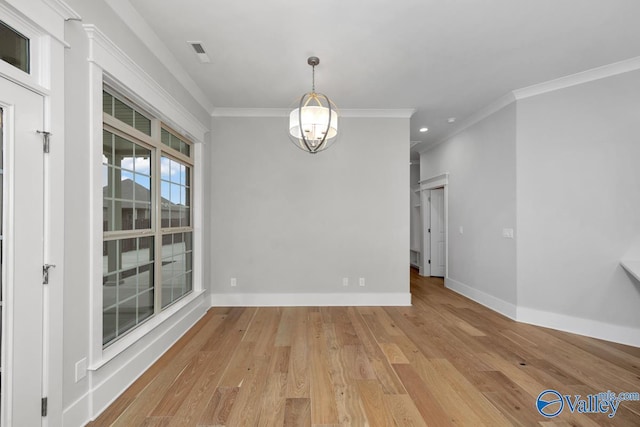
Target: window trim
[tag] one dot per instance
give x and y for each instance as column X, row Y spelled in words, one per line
column 38, row 76
column 108, row 64
column 158, row 151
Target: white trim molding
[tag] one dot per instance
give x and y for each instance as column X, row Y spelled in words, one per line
column 476, row 117
column 113, row 378
column 397, row 113
column 64, row 10
column 576, row 325
column 108, row 56
column 561, row 322
column 250, row 112
column 593, row 74
column 311, row 300
column 496, row 304
column 49, row 15
column 609, row 70
column 436, row 181
column 137, row 24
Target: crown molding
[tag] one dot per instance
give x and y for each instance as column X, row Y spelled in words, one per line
column 593, row 74
column 250, row 112
column 609, row 70
column 64, row 10
column 400, row 113
column 391, row 113
column 149, row 38
column 476, row 117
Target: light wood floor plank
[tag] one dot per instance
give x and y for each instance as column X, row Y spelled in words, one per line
column 297, row 413
column 219, row 407
column 404, row 411
column 443, row 361
column 323, row 403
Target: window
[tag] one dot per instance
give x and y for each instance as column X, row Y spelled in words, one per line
column 147, row 227
column 14, row 48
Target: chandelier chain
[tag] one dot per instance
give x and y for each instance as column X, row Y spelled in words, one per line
column 313, row 78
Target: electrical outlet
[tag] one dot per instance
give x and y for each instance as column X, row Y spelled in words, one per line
column 81, row 369
column 361, row 281
column 345, row 281
column 507, row 233
column 234, row 282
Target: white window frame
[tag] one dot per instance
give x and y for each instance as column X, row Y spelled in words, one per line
column 39, row 76
column 109, row 65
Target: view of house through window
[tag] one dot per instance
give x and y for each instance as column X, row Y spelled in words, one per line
column 146, row 190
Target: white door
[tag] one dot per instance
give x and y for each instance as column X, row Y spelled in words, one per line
column 437, row 235
column 22, row 255
column 425, row 254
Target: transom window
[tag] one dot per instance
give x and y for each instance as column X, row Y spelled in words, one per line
column 147, row 217
column 14, row 48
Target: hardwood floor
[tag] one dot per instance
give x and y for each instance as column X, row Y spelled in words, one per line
column 444, row 361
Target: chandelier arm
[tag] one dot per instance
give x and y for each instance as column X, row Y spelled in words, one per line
column 304, row 139
column 326, row 131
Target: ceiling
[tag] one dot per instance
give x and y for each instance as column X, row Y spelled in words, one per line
column 443, row 58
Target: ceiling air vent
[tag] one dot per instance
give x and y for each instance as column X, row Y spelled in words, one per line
column 200, row 52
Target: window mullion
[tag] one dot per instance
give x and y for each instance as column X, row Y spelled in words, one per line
column 157, row 208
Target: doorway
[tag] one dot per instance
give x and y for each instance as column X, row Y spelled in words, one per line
column 22, row 244
column 437, row 231
column 434, row 195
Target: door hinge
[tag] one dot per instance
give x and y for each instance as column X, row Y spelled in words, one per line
column 43, row 408
column 429, row 230
column 45, row 140
column 45, row 273
column 429, row 261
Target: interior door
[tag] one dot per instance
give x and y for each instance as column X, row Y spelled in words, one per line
column 22, row 254
column 437, row 233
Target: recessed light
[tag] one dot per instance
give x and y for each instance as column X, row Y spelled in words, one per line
column 424, row 129
column 451, row 119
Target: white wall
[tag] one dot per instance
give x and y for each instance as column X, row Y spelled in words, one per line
column 578, row 172
column 482, row 199
column 288, row 222
column 561, row 163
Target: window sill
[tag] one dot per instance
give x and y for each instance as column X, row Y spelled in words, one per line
column 145, row 328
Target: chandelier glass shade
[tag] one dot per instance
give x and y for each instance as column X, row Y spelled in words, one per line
column 313, row 125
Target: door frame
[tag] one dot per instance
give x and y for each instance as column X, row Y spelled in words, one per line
column 43, row 22
column 426, row 185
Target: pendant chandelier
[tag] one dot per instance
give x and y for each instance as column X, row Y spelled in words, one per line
column 313, row 126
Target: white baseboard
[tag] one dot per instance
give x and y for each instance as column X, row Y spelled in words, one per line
column 311, row 300
column 496, row 304
column 576, row 325
column 117, row 375
column 562, row 322
column 78, row 413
